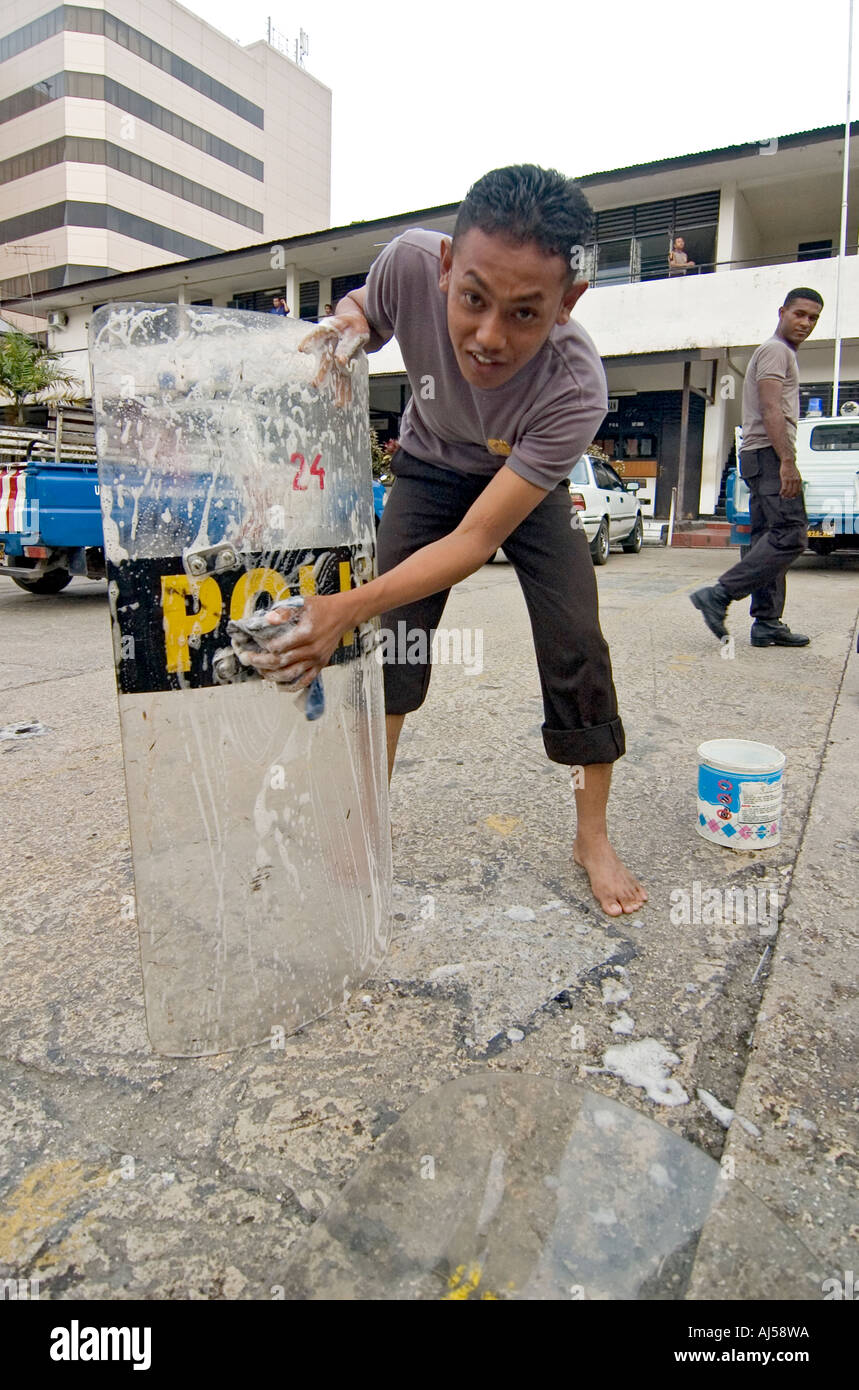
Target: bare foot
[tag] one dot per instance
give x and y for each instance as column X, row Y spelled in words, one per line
column 614, row 887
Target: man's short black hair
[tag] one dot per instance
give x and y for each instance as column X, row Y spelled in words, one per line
column 803, row 293
column 527, row 204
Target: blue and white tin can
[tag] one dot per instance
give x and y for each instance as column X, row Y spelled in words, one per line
column 740, row 793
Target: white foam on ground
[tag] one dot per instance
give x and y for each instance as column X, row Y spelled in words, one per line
column 719, row 1111
column 624, row 1023
column 647, row 1064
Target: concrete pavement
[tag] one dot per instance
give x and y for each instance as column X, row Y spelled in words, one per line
column 129, row 1175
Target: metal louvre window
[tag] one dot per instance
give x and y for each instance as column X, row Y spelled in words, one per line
column 81, row 20
column 79, row 150
column 308, row 299
column 700, row 209
column 74, row 214
column 341, row 285
column 258, row 301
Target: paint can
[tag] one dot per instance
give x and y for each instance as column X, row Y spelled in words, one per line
column 740, row 793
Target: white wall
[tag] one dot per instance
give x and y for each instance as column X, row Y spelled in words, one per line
column 731, row 309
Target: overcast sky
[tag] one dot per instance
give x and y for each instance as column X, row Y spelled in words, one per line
column 428, row 96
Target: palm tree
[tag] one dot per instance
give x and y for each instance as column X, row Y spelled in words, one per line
column 30, row 372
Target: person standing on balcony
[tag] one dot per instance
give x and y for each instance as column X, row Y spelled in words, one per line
column 768, row 464
column 678, row 261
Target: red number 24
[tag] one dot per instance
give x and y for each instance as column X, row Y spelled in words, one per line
column 315, row 469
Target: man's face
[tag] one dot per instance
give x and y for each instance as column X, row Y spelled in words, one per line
column 503, row 301
column 798, row 319
column 679, row 244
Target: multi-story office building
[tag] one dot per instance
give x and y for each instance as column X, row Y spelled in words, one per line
column 757, row 220
column 132, row 133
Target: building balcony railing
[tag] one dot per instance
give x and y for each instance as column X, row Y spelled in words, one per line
column 661, row 271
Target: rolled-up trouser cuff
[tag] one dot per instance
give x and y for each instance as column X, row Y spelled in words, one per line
column 604, row 743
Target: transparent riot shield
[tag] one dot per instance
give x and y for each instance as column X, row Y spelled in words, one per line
column 500, row 1186
column 260, row 836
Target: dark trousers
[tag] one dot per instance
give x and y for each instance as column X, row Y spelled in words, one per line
column 553, row 564
column 779, row 536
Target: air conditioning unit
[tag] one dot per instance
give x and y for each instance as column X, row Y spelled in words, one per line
column 57, row 319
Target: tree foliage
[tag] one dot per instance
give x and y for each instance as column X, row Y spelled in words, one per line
column 30, row 373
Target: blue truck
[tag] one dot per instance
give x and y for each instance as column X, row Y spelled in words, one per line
column 50, row 514
column 50, row 517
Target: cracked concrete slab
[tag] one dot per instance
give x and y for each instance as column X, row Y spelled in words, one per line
column 128, row 1175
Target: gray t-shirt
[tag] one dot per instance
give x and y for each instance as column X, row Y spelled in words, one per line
column 539, row 423
column 774, row 358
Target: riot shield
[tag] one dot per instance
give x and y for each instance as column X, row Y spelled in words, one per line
column 260, row 836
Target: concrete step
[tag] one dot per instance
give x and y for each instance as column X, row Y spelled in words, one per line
column 703, row 539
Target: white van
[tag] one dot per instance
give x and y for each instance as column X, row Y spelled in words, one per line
column 827, row 456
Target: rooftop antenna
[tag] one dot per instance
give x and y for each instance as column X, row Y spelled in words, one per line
column 302, row 46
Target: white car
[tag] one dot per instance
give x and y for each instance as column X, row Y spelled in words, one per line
column 607, row 507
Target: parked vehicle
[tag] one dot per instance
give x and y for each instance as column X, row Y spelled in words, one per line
column 608, row 507
column 50, row 513
column 380, row 497
column 50, row 518
column 827, row 456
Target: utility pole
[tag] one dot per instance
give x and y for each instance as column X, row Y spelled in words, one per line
column 836, row 367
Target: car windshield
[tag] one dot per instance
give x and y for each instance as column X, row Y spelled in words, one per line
column 580, row 472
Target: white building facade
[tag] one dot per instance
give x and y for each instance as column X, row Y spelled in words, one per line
column 757, row 221
column 132, row 133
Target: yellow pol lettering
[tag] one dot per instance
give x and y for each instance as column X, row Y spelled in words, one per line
column 251, row 585
column 179, row 624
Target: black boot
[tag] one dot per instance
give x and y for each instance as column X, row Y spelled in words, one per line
column 713, row 604
column 771, row 633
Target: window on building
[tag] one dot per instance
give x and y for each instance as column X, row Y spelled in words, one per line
column 633, row 243
column 814, row 250
column 821, row 393
column 308, row 299
column 342, row 285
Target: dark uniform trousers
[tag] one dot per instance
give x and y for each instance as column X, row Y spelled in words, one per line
column 779, row 535
column 553, row 564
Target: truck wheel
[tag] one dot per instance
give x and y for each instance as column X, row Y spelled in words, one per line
column 821, row 547
column 50, row 583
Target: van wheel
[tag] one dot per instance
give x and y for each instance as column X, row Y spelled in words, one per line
column 50, row 583
column 599, row 544
column 821, row 547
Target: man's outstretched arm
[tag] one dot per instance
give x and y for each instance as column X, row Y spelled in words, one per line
column 303, row 650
